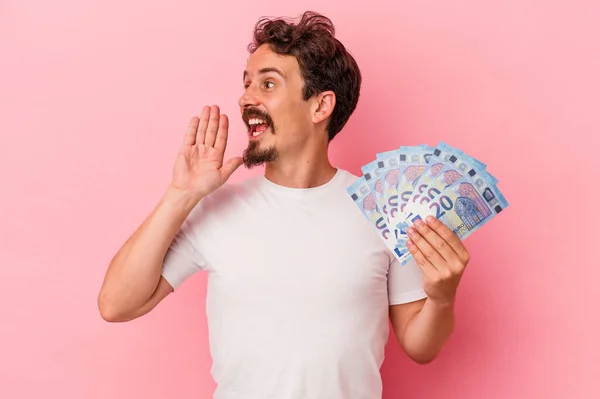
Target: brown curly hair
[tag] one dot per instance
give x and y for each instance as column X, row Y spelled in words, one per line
column 324, row 62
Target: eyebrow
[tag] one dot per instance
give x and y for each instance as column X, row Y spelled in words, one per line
column 267, row 70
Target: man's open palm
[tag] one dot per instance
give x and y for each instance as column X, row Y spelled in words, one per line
column 199, row 168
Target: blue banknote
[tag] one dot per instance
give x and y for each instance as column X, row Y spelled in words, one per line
column 444, row 169
column 413, row 182
column 362, row 196
column 445, row 151
column 463, row 207
column 409, row 163
column 372, row 172
column 389, row 180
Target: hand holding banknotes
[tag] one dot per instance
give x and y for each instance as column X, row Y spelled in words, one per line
column 441, row 256
column 403, row 187
column 199, row 168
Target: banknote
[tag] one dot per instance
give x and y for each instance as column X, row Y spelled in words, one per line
column 372, row 173
column 362, row 196
column 443, row 170
column 445, row 151
column 463, row 207
column 430, row 172
column 464, row 162
column 412, row 162
column 389, row 180
column 413, row 182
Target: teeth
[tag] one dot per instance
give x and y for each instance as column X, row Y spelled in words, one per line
column 255, row 121
column 255, row 134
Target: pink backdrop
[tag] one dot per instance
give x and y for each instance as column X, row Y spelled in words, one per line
column 95, row 98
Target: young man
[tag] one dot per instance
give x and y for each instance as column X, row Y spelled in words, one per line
column 300, row 286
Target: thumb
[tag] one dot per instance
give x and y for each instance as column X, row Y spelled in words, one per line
column 230, row 166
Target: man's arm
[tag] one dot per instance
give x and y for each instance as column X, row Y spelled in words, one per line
column 133, row 284
column 423, row 327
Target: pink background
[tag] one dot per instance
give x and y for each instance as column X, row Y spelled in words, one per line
column 94, row 101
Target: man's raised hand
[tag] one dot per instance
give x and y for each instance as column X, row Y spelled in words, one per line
column 199, row 168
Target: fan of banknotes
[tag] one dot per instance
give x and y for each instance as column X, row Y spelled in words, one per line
column 413, row 182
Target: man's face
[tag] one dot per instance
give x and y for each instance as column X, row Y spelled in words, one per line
column 277, row 118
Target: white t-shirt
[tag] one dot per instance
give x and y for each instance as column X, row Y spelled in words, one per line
column 299, row 288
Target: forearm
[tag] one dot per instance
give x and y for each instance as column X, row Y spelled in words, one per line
column 135, row 270
column 428, row 330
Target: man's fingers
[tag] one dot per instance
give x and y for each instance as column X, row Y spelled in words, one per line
column 221, row 140
column 447, row 235
column 424, row 264
column 203, row 123
column 436, row 241
column 213, row 127
column 426, row 249
column 190, row 134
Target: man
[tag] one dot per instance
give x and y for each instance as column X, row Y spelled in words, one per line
column 300, row 286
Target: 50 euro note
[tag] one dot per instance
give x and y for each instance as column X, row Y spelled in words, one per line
column 365, row 201
column 463, row 207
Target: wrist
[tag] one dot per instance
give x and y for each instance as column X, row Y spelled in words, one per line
column 181, row 199
column 443, row 304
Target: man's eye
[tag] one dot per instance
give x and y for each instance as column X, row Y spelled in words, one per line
column 267, row 83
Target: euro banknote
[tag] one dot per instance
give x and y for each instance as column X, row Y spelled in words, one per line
column 401, row 168
column 364, row 198
column 372, row 173
column 412, row 182
column 464, row 207
column 443, row 169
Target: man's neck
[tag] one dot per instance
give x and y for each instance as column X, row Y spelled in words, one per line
column 300, row 173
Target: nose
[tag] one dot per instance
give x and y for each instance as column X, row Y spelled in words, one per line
column 248, row 99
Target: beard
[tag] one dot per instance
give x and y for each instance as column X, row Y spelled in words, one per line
column 254, row 155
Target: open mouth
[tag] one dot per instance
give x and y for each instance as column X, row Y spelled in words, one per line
column 257, row 127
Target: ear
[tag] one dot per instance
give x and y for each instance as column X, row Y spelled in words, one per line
column 323, row 106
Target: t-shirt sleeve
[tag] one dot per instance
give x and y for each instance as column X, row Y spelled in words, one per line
column 405, row 283
column 182, row 259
